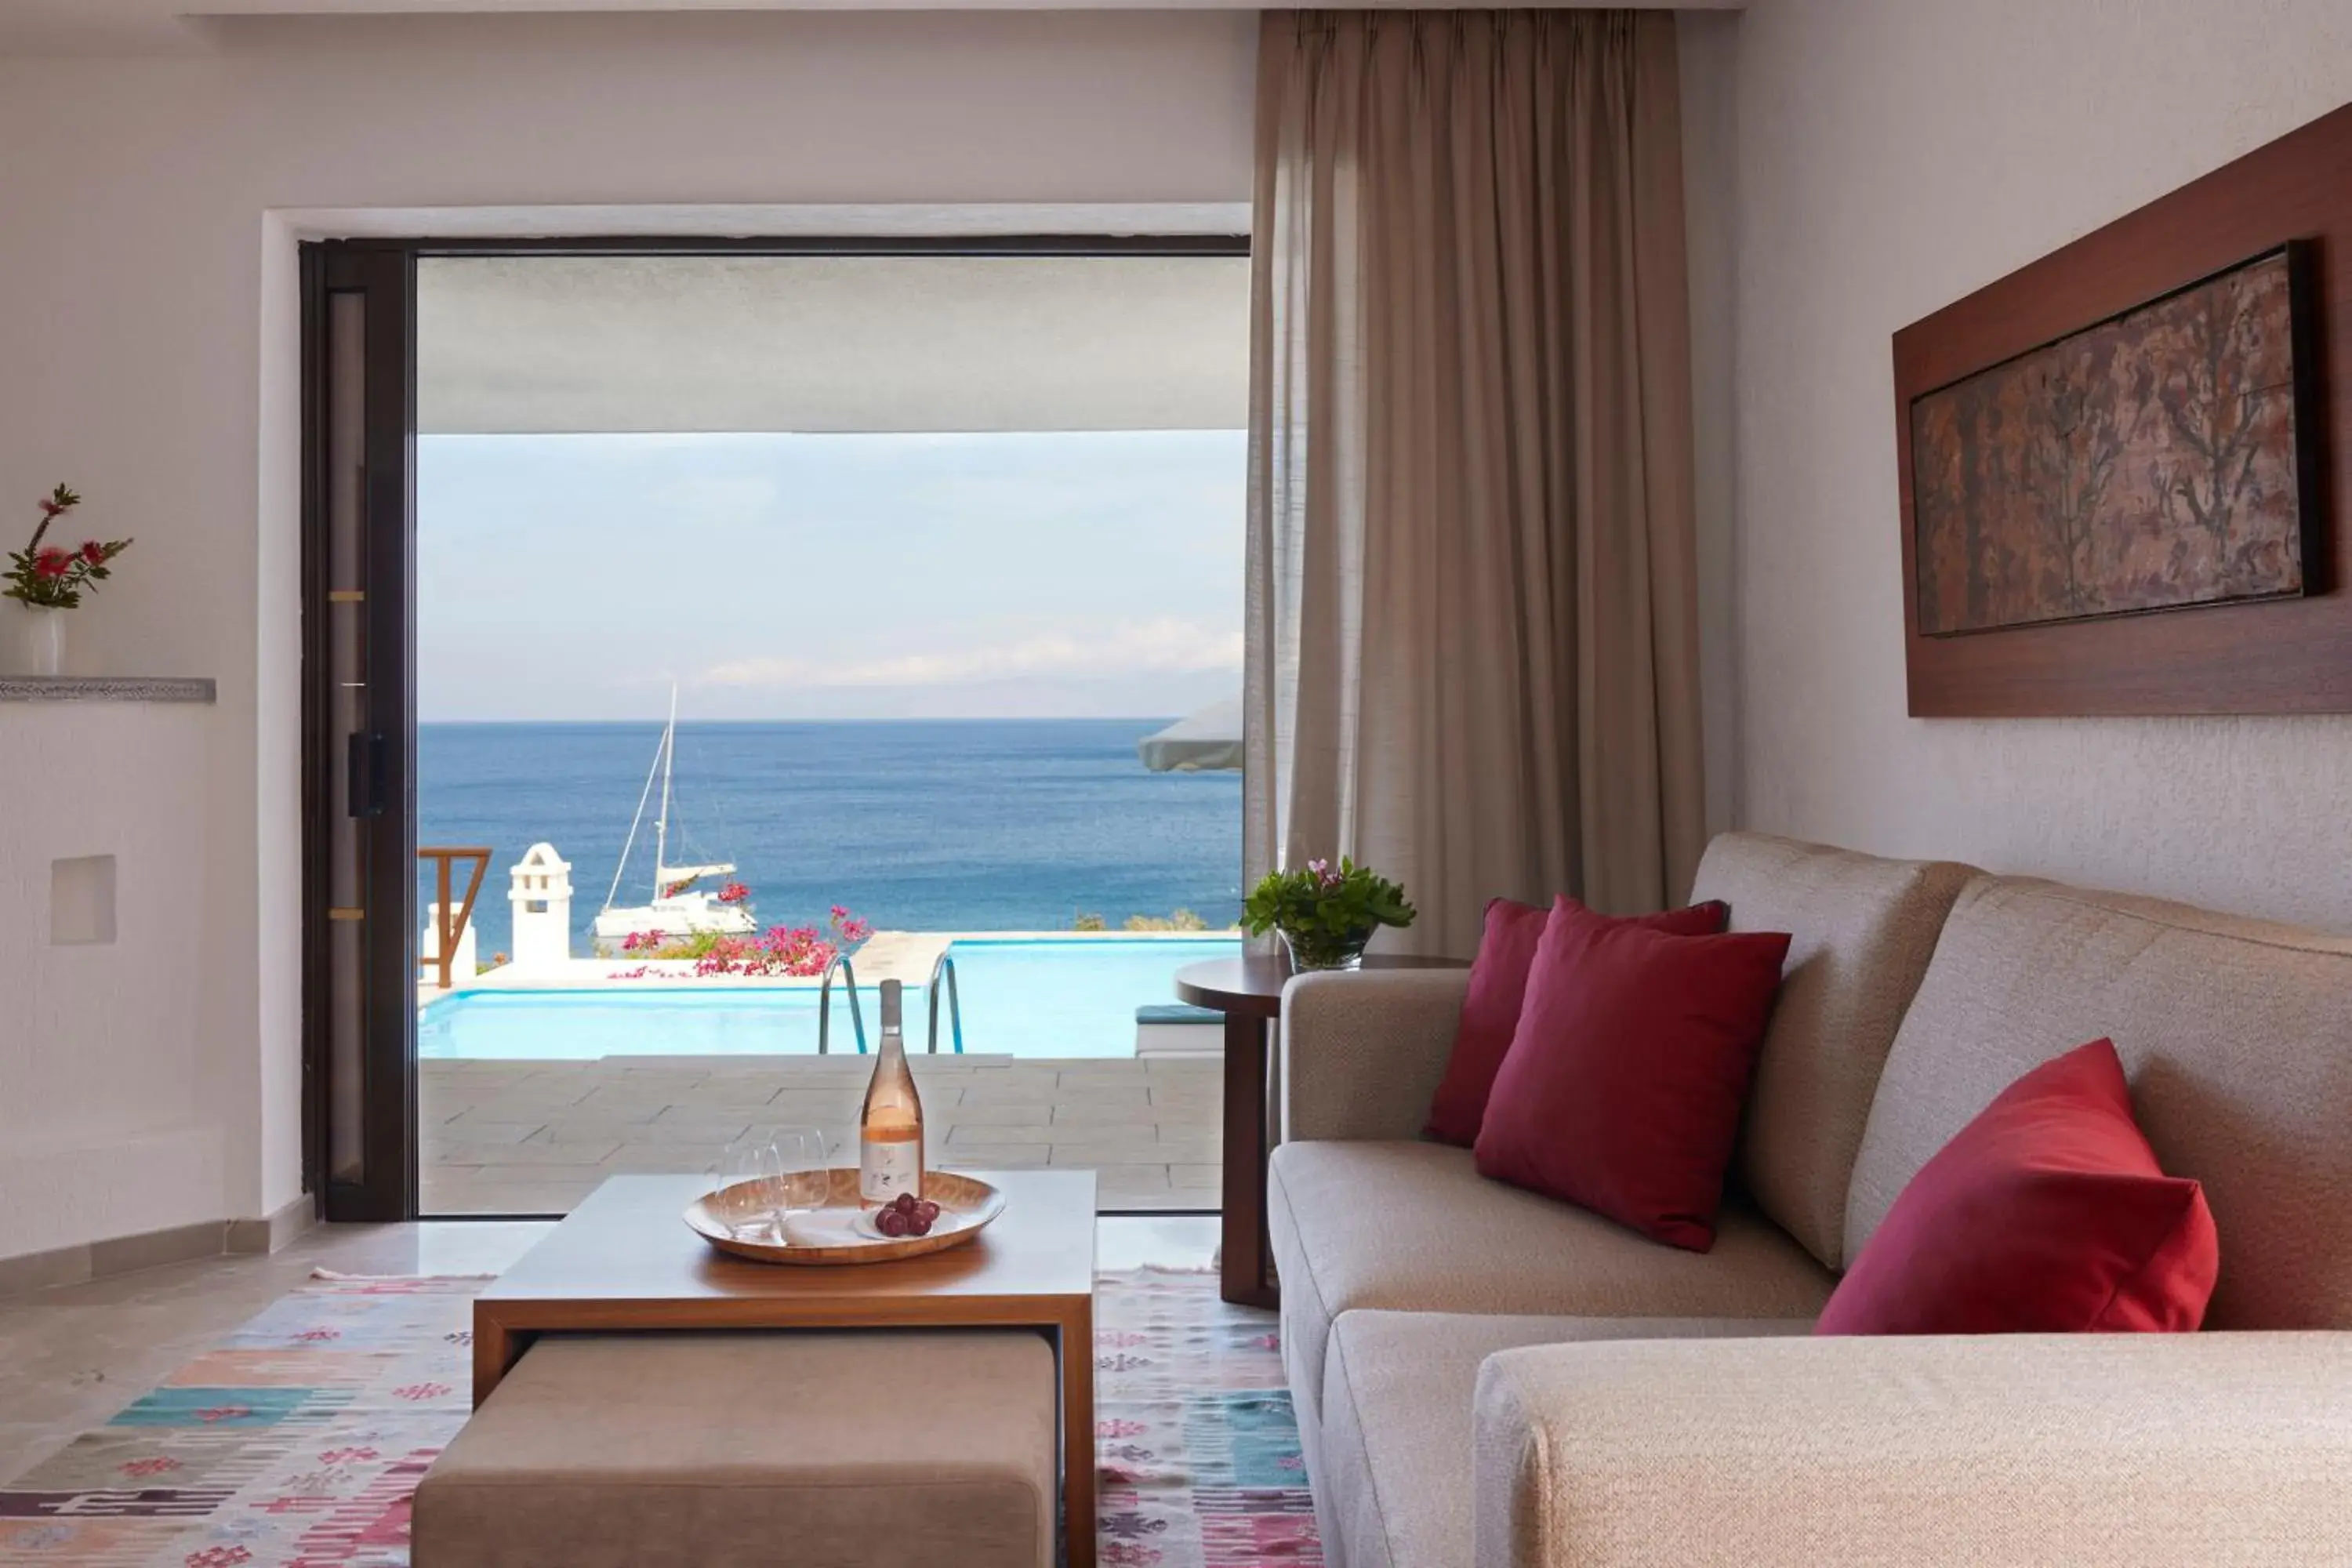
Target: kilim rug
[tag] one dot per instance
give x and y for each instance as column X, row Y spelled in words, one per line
column 297, row 1443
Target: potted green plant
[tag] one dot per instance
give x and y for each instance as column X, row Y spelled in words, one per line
column 48, row 580
column 1326, row 913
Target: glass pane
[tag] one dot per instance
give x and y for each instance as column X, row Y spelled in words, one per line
column 346, row 713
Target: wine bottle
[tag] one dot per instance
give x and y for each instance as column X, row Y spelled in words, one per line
column 890, row 1124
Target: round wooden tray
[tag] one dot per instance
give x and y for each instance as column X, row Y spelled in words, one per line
column 966, row 1206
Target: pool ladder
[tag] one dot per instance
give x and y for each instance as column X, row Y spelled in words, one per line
column 943, row 969
column 824, row 1005
column 945, row 966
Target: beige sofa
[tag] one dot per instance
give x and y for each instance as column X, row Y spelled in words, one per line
column 1485, row 1376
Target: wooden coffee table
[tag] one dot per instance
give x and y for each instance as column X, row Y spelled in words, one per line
column 626, row 1260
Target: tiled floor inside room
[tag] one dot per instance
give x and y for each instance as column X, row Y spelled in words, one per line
column 73, row 1355
column 521, row 1137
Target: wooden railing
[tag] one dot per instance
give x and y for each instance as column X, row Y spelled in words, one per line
column 448, row 929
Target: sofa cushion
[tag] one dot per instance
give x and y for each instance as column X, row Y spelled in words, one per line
column 1862, row 929
column 1395, row 1489
column 1490, row 1007
column 1413, row 1227
column 2236, row 1037
column 1623, row 1088
column 2046, row 1215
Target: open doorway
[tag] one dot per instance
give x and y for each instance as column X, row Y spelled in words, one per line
column 918, row 545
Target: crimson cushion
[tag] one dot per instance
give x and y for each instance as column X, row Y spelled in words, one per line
column 2048, row 1214
column 1623, row 1087
column 1490, row 1008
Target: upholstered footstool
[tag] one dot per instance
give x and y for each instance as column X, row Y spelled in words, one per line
column 732, row 1450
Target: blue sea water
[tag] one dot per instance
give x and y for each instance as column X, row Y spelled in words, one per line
column 950, row 825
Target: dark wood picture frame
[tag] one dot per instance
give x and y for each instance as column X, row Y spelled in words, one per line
column 2287, row 654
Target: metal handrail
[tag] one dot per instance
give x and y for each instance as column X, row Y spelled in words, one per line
column 945, row 965
column 824, row 1005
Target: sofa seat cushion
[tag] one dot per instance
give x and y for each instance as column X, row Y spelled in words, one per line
column 1415, row 1227
column 1396, row 1484
column 740, row 1450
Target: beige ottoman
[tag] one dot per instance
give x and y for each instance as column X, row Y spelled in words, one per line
column 820, row 1450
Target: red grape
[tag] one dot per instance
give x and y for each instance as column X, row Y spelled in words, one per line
column 890, row 1222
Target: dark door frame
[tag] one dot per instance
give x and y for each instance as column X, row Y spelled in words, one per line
column 386, row 270
column 378, row 787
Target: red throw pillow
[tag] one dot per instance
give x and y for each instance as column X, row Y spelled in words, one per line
column 1490, row 1008
column 1623, row 1087
column 2048, row 1214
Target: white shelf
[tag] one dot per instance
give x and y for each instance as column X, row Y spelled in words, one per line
column 106, row 688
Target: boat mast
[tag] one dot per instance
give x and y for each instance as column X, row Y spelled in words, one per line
column 661, row 822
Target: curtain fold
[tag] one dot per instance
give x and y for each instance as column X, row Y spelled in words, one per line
column 1471, row 625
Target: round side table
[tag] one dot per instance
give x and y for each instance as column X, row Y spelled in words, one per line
column 1248, row 991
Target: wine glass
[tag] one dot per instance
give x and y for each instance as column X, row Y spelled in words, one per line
column 806, row 1180
column 751, row 1187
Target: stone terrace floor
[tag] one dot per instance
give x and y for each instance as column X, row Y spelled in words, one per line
column 536, row 1137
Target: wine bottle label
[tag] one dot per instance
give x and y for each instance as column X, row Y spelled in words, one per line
column 887, row 1169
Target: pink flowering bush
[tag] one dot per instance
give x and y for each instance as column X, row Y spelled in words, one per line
column 799, row 952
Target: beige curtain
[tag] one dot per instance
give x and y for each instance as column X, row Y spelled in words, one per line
column 1471, row 638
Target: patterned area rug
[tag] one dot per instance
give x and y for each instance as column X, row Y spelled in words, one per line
column 296, row 1444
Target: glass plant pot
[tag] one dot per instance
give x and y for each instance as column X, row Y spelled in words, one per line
column 1317, row 950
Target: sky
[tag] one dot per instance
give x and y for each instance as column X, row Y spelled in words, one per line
column 798, row 576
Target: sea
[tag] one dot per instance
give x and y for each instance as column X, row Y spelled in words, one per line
column 919, row 825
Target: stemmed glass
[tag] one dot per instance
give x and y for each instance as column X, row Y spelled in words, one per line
column 806, row 1182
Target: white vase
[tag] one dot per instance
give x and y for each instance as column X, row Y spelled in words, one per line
column 39, row 634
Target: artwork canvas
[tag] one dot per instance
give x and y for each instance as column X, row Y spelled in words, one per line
column 2151, row 462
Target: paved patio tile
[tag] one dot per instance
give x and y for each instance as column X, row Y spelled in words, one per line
column 661, row 1131
column 1074, row 1130
column 1105, row 1156
column 968, row 1115
column 463, row 1133
column 663, row 1159
column 509, row 1156
column 1140, row 1182
column 1149, row 1128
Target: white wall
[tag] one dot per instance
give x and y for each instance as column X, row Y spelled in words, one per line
column 111, row 1121
column 143, row 265
column 1893, row 157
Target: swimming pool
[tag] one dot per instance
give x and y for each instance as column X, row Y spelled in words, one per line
column 1023, row 996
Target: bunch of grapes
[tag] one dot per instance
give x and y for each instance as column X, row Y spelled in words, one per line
column 907, row 1215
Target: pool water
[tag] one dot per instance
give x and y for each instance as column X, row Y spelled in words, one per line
column 1023, row 996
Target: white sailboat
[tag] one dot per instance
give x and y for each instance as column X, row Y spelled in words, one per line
column 681, row 907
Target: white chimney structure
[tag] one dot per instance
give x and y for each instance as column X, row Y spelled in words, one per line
column 542, row 896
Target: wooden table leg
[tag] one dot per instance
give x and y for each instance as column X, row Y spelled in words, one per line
column 495, row 1349
column 1078, row 1464
column 1243, row 1272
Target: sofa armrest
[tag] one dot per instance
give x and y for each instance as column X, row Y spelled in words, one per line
column 1362, row 1052
column 2097, row 1448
